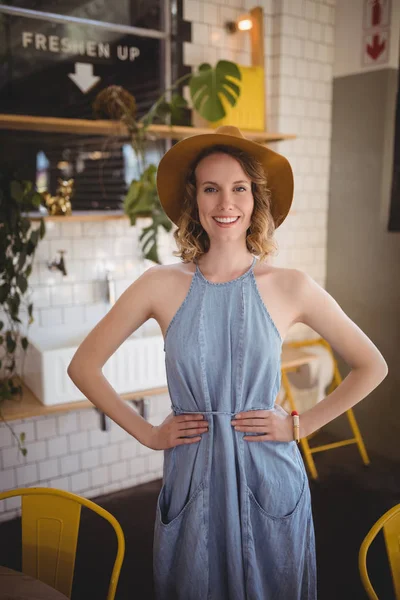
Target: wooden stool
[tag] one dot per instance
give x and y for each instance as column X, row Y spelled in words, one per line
column 290, row 362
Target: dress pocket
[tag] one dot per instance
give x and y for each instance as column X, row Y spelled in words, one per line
column 278, row 517
column 275, row 477
column 182, row 479
column 287, row 540
column 166, row 516
column 180, row 557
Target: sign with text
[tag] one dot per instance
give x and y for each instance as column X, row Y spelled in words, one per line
column 57, row 69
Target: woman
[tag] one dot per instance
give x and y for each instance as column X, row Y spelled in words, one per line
column 234, row 514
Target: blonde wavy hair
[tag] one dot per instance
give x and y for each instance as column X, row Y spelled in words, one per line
column 191, row 238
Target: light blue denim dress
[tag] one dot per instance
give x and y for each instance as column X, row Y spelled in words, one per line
column 233, row 518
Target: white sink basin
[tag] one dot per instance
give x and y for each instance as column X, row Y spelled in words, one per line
column 138, row 364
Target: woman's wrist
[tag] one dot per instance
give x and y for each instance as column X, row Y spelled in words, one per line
column 304, row 425
column 146, row 437
column 303, row 433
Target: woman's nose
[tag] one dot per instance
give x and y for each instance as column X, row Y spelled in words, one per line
column 225, row 200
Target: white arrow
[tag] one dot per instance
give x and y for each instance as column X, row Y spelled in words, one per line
column 83, row 77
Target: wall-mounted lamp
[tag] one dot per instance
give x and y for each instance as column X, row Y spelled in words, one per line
column 243, row 23
column 253, row 22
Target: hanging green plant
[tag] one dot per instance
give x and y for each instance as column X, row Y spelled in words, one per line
column 142, row 201
column 18, row 243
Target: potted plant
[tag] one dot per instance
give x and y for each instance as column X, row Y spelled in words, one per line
column 208, row 86
column 18, row 243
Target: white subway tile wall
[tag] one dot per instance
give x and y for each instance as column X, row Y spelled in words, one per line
column 91, row 248
column 70, row 451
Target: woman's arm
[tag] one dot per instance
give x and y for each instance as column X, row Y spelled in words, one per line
column 131, row 310
column 322, row 313
column 309, row 303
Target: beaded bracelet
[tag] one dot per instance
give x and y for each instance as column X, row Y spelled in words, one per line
column 296, row 425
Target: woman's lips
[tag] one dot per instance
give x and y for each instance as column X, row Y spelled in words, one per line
column 225, row 225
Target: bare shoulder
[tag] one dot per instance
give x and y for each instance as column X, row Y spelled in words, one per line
column 159, row 282
column 300, row 290
column 167, row 287
column 284, row 280
column 169, row 274
column 178, row 267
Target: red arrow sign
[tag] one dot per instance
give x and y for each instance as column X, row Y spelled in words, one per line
column 376, row 13
column 377, row 47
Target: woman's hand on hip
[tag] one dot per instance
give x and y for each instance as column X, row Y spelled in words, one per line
column 269, row 425
column 174, row 430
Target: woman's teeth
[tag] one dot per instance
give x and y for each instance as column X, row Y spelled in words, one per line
column 226, row 220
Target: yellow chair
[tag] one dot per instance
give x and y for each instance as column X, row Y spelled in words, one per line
column 337, row 379
column 50, row 525
column 390, row 523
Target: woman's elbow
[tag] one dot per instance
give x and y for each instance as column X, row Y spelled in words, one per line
column 385, row 369
column 71, row 371
column 379, row 369
column 374, row 370
column 77, row 369
column 381, row 366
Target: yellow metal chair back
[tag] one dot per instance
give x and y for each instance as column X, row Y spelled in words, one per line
column 390, row 523
column 50, row 526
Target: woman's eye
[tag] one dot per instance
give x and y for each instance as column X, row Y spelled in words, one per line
column 210, row 189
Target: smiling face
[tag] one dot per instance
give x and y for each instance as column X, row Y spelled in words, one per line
column 223, row 190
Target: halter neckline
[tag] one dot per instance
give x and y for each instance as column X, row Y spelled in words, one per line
column 200, row 274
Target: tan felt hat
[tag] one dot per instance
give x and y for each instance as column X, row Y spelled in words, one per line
column 175, row 164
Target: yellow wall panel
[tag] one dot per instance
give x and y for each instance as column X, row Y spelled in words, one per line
column 249, row 112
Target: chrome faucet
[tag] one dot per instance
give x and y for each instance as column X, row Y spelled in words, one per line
column 111, row 291
column 58, row 264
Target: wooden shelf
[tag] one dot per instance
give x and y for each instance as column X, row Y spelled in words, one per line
column 81, row 215
column 30, row 406
column 115, row 128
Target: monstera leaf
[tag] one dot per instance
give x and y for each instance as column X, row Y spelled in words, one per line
column 209, row 85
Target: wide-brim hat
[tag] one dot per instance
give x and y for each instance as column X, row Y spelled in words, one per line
column 176, row 163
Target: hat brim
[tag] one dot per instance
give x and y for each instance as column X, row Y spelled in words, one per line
column 175, row 164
